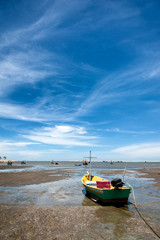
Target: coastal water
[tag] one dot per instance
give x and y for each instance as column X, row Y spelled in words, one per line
column 114, row 165
column 46, row 165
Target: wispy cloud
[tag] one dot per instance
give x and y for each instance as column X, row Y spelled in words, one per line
column 28, row 64
column 56, row 67
column 146, row 150
column 62, row 135
column 47, row 24
column 40, row 111
column 26, row 67
column 54, row 19
column 112, row 89
column 122, row 85
column 117, row 130
column 8, row 146
column 19, row 112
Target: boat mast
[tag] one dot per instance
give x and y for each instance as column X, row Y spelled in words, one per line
column 90, row 158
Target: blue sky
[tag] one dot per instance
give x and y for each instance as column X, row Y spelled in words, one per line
column 78, row 76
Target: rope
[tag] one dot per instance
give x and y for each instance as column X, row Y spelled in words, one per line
column 124, row 172
column 135, row 205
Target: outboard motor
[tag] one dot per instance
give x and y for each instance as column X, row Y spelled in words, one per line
column 116, row 183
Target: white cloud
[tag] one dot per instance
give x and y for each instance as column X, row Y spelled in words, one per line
column 47, row 24
column 121, row 85
column 62, row 135
column 30, row 65
column 66, row 129
column 6, row 146
column 52, row 19
column 24, row 151
column 19, row 112
column 37, row 112
column 117, row 130
column 16, row 144
column 143, row 151
column 26, row 67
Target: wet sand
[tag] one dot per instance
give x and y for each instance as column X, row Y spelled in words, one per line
column 72, row 222
column 28, row 178
column 28, row 222
column 152, row 173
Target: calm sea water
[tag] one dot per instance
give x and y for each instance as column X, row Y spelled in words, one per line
column 99, row 165
column 95, row 166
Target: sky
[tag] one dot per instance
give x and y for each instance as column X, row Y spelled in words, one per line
column 80, row 75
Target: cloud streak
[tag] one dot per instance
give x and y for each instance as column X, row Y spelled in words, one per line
column 9, row 147
column 122, row 85
column 117, row 130
column 148, row 151
column 29, row 67
column 54, row 19
column 62, row 135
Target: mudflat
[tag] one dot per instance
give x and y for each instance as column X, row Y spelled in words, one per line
column 88, row 221
column 27, row 178
column 152, row 173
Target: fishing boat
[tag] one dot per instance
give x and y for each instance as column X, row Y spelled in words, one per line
column 106, row 191
column 85, row 163
column 100, row 189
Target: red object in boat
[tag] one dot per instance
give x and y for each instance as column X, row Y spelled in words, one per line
column 103, row 184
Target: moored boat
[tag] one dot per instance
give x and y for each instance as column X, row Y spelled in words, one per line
column 85, row 163
column 112, row 192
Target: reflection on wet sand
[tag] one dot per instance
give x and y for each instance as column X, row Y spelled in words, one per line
column 114, row 219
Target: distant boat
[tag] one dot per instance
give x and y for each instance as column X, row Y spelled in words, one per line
column 53, row 162
column 106, row 191
column 9, row 163
column 85, row 163
column 23, row 162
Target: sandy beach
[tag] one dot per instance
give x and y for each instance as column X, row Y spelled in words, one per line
column 88, row 221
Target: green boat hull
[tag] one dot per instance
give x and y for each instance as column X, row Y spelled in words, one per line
column 109, row 195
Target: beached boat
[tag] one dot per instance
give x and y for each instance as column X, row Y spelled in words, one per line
column 106, row 191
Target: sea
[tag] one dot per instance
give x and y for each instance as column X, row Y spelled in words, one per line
column 95, row 166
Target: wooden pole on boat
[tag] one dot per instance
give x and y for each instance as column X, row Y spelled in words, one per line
column 90, row 158
column 90, row 174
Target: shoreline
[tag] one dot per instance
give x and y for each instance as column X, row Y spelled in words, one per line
column 95, row 161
